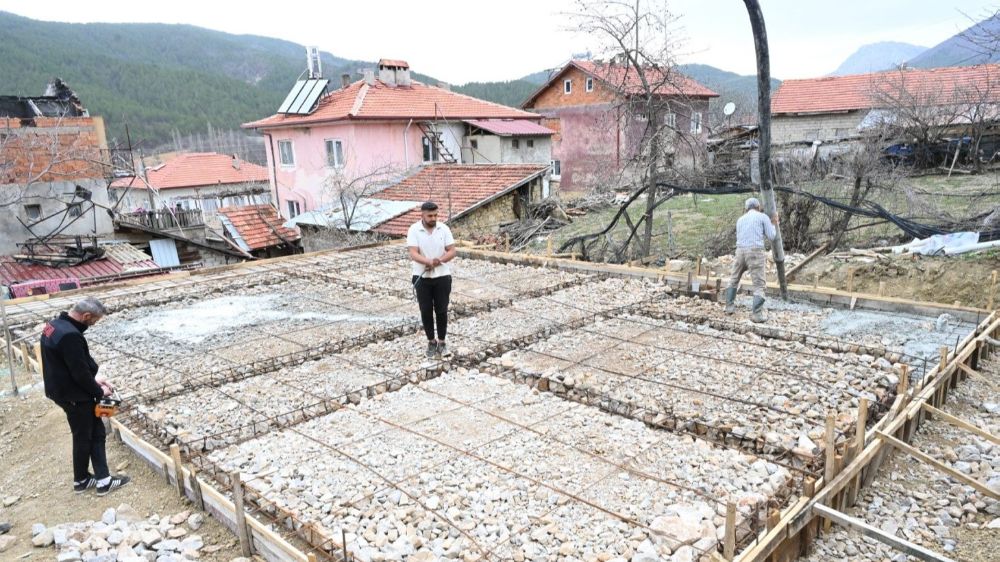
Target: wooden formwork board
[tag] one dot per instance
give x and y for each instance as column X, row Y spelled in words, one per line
column 266, row 542
column 821, row 295
column 785, row 541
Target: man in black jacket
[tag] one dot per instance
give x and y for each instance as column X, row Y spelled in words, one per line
column 72, row 382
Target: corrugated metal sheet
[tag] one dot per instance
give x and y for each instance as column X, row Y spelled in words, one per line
column 164, row 252
column 13, row 272
column 368, row 214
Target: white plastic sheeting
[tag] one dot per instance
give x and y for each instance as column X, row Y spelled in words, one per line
column 939, row 244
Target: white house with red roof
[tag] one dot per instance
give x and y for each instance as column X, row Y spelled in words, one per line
column 201, row 181
column 832, row 109
column 388, row 125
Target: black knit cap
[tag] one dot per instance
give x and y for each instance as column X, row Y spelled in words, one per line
column 429, row 206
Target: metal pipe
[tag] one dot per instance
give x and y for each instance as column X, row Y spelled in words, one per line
column 406, row 150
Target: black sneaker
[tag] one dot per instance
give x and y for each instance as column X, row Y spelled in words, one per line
column 84, row 485
column 116, row 482
column 442, row 350
column 431, row 349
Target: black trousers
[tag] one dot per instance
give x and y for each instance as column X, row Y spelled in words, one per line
column 433, row 294
column 88, row 440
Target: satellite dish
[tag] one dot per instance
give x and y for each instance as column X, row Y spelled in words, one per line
column 729, row 109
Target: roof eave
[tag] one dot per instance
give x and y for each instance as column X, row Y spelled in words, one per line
column 500, row 193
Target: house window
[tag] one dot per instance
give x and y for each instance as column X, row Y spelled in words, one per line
column 514, row 143
column 285, row 153
column 475, row 144
column 293, row 209
column 556, row 168
column 670, row 120
column 33, row 212
column 335, row 154
column 431, row 152
column 209, row 205
column 567, row 86
column 590, row 84
column 74, row 210
column 812, row 134
column 696, row 122
column 531, row 143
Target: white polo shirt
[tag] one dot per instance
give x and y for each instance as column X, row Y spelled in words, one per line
column 431, row 245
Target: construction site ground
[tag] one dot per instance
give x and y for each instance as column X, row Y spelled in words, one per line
column 35, row 448
column 583, row 416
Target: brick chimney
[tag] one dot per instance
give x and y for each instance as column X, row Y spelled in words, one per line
column 345, row 80
column 369, row 75
column 236, row 162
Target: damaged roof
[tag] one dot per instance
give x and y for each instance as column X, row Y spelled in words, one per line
column 254, row 227
column 458, row 189
column 58, row 101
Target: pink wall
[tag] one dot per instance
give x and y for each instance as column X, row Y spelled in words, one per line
column 367, row 146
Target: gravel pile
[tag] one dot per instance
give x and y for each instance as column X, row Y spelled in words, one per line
column 122, row 535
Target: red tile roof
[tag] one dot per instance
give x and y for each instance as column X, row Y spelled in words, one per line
column 197, row 169
column 394, row 62
column 380, row 101
column 509, row 127
column 937, row 86
column 256, row 225
column 667, row 82
column 456, row 188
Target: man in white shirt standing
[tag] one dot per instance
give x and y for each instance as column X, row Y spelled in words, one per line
column 431, row 247
column 751, row 231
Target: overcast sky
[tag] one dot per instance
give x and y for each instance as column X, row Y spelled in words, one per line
column 465, row 40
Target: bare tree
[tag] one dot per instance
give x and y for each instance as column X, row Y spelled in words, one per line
column 978, row 109
column 921, row 115
column 352, row 193
column 638, row 43
column 34, row 152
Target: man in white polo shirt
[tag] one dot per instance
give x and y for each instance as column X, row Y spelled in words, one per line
column 431, row 247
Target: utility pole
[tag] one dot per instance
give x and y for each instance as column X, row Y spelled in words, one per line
column 764, row 132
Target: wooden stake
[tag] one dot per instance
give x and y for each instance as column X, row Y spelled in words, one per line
column 850, row 279
column 944, row 359
column 38, row 355
column 698, row 270
column 241, row 517
column 816, row 280
column 729, row 548
column 865, row 529
column 862, row 422
column 920, row 455
column 549, row 247
column 830, row 465
column 311, row 557
column 904, row 380
column 773, row 517
column 881, row 288
column 175, row 455
column 199, row 497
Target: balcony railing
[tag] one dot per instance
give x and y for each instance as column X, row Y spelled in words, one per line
column 163, row 220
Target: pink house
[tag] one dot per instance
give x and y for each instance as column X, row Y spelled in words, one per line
column 385, row 125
